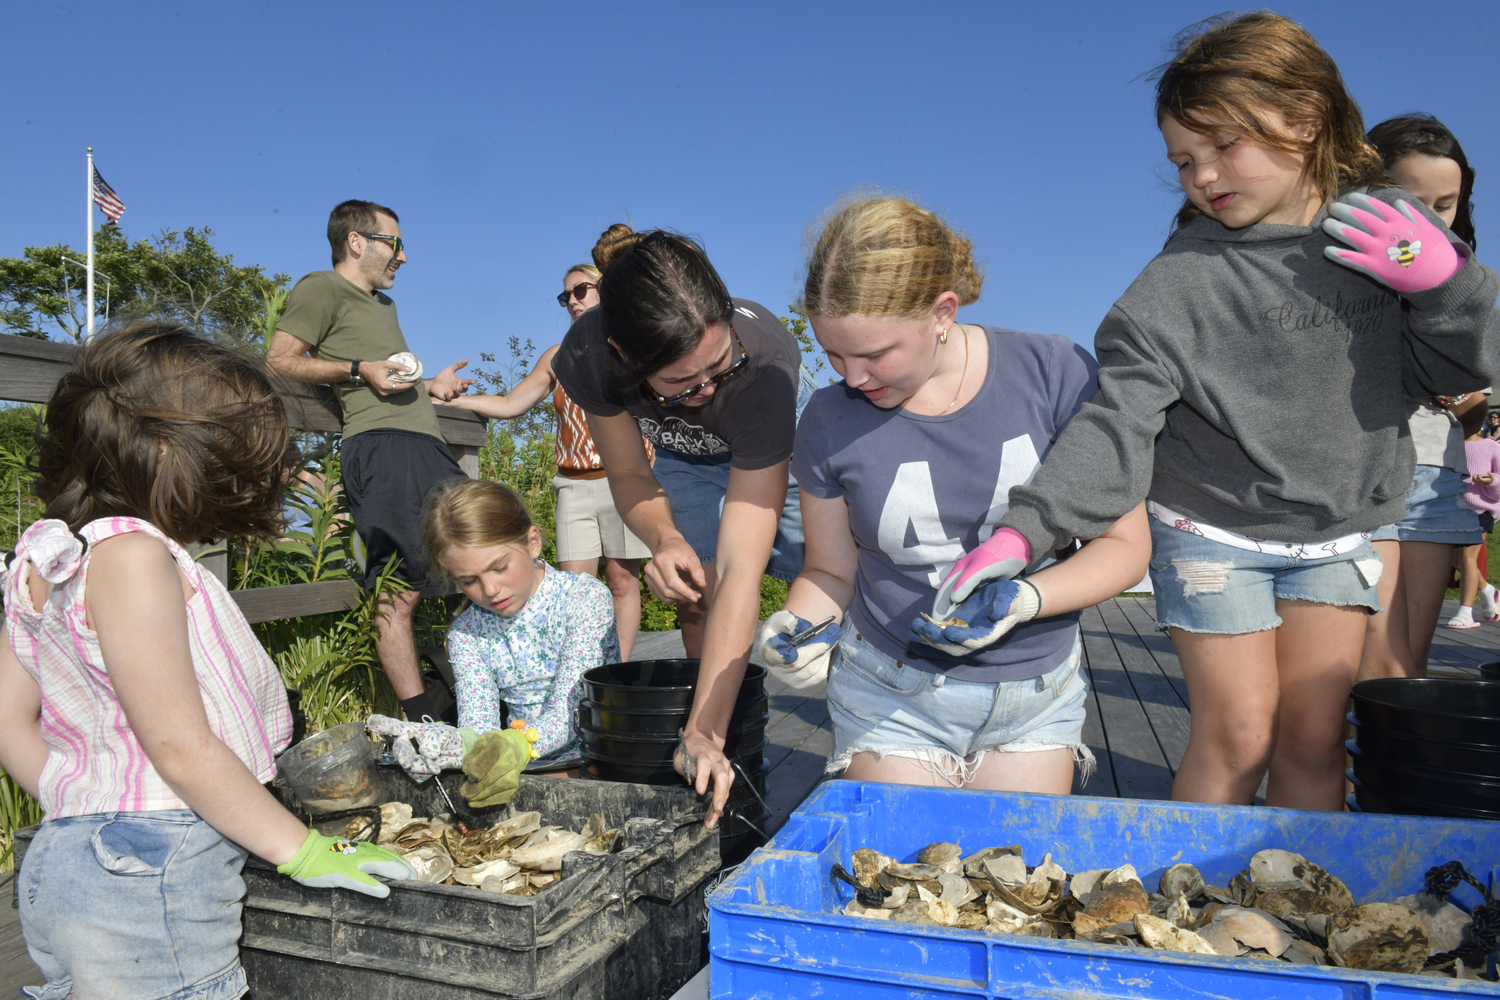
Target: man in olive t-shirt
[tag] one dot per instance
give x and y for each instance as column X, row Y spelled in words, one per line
column 339, row 328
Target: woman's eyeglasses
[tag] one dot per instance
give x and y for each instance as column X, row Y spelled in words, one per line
column 395, row 241
column 718, row 379
column 578, row 291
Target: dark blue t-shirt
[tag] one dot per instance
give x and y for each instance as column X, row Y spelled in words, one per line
column 924, row 490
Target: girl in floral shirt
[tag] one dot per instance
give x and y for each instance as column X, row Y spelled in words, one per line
column 530, row 631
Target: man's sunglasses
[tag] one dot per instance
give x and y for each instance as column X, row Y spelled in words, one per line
column 718, row 379
column 395, row 241
column 578, row 291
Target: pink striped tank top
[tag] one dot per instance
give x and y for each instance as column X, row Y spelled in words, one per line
column 96, row 764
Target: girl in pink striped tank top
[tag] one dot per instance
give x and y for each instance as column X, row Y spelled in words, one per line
column 135, row 702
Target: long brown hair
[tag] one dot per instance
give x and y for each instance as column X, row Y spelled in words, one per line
column 1230, row 72
column 153, row 421
column 887, row 257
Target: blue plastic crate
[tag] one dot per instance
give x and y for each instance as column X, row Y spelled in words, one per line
column 776, row 930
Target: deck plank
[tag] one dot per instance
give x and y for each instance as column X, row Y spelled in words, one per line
column 1139, row 765
column 1141, row 614
column 1165, row 710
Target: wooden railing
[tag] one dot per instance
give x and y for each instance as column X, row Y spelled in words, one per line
column 30, row 369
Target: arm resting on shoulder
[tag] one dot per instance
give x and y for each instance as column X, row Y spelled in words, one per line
column 1102, row 569
column 22, row 751
column 136, row 604
column 531, row 390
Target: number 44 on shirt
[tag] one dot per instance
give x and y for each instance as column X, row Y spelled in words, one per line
column 912, row 502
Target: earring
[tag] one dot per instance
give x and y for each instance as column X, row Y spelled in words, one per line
column 943, row 337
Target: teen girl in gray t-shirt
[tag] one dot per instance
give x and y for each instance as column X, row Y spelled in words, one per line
column 904, row 467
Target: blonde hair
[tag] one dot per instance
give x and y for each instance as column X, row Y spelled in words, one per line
column 588, row 270
column 885, row 256
column 472, row 513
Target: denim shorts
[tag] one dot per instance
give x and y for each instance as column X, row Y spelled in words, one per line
column 880, row 705
column 1207, row 586
column 1435, row 511
column 142, row 905
column 696, row 484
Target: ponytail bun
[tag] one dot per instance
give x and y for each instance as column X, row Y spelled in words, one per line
column 612, row 242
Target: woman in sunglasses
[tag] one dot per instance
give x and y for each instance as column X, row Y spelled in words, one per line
column 588, row 526
column 716, row 383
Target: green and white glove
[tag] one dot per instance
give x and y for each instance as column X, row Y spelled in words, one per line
column 494, row 765
column 333, row 862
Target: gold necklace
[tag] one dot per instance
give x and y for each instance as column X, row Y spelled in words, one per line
column 962, row 374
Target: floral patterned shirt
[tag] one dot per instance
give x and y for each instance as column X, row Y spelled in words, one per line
column 534, row 660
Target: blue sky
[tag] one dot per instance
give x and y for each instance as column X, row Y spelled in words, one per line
column 508, row 136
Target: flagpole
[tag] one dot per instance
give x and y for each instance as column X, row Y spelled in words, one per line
column 90, row 306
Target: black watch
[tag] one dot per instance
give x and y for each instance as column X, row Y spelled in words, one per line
column 354, row 378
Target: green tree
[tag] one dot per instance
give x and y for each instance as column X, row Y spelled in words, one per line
column 178, row 276
column 797, row 326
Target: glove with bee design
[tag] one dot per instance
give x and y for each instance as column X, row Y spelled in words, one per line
column 1395, row 245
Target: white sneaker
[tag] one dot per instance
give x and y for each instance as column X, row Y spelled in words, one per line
column 1487, row 603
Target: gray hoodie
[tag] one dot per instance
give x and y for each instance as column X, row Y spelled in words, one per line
column 1249, row 382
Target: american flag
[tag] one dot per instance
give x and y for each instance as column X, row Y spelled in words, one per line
column 104, row 196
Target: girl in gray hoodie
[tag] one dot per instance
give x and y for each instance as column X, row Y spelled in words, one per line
column 1252, row 387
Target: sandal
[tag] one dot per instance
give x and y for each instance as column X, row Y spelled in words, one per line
column 1457, row 622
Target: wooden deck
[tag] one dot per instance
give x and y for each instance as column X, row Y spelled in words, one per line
column 1137, row 724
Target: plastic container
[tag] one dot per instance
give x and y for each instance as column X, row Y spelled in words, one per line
column 1461, row 758
column 1372, row 799
column 436, row 941
column 333, row 770
column 1489, row 671
column 646, row 684
column 1443, row 790
column 659, row 749
column 650, row 772
column 1431, row 708
column 776, row 930
column 662, row 721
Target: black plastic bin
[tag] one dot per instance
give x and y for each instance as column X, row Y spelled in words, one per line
column 436, row 942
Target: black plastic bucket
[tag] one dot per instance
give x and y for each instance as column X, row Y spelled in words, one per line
column 1430, row 708
column 1376, row 800
column 1424, row 786
column 657, row 684
column 1440, row 755
column 663, row 773
column 663, row 721
column 658, row 749
column 1489, row 671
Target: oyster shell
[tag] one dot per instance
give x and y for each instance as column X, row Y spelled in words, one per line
column 1234, row 930
column 548, row 854
column 596, row 838
column 867, row 864
column 897, row 897
column 1110, row 905
column 1181, row 880
column 1448, row 927
column 1008, row 869
column 476, row 874
column 974, row 863
column 1300, row 880
column 853, row 909
column 1167, row 936
column 942, row 855
column 431, row 863
column 1379, row 937
column 956, row 889
column 1083, row 884
column 914, row 873
column 1124, row 873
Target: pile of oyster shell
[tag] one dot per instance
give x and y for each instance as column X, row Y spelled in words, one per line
column 1281, row 907
column 519, row 855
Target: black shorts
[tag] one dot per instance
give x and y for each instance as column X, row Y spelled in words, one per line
column 387, row 476
column 1486, row 521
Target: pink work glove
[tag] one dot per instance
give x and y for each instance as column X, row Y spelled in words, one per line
column 1004, row 555
column 1395, row 245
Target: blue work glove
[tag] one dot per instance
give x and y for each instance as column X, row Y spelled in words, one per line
column 801, row 666
column 987, row 614
column 333, row 862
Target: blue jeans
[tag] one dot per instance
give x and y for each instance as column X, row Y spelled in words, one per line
column 880, row 705
column 142, row 905
column 696, row 484
column 1207, row 586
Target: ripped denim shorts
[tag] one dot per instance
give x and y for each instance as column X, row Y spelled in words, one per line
column 880, row 705
column 1206, row 586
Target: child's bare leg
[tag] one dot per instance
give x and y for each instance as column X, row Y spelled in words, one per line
column 1387, row 649
column 1233, row 686
column 1468, row 574
column 1047, row 771
column 1317, row 658
column 1425, row 569
column 895, row 771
